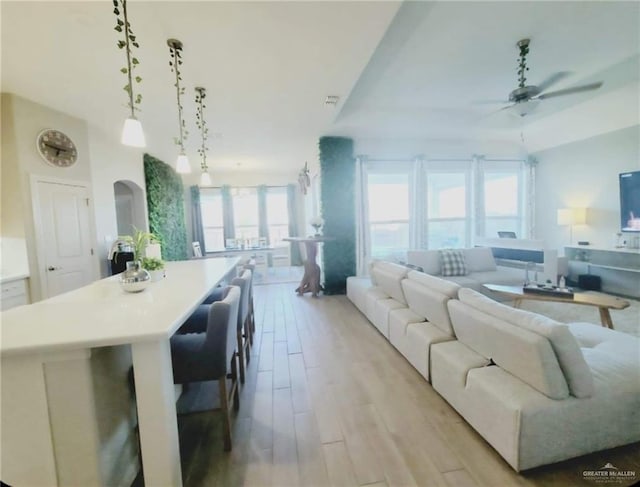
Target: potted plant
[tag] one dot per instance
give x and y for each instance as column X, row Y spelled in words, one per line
column 155, row 267
column 138, row 242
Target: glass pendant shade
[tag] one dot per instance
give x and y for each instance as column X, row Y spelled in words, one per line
column 205, row 179
column 132, row 134
column 182, row 164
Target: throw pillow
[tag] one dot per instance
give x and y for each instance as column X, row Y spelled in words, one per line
column 452, row 263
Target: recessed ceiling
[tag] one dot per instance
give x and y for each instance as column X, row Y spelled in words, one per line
column 411, row 70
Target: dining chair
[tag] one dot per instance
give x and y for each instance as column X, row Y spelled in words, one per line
column 281, row 256
column 197, row 250
column 198, row 357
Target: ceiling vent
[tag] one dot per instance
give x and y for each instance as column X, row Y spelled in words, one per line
column 331, row 100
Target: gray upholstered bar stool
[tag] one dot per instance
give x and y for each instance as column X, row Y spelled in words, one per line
column 198, row 357
column 196, row 323
column 251, row 265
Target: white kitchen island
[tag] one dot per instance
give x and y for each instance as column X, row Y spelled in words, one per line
column 48, row 419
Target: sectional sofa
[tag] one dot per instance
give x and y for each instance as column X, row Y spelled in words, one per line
column 537, row 390
column 480, row 265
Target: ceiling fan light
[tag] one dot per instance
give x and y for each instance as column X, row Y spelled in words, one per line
column 182, row 164
column 525, row 108
column 132, row 134
column 205, row 179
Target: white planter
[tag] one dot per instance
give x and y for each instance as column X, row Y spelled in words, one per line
column 157, row 275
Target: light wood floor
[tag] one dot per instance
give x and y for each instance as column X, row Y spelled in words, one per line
column 328, row 401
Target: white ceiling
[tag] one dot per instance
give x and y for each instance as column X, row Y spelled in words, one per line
column 412, row 70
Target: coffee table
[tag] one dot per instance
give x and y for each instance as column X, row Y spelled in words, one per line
column 603, row 302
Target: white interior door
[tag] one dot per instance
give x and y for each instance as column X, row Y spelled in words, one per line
column 65, row 234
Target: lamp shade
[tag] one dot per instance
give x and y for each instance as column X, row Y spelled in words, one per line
column 205, row 179
column 579, row 216
column 564, row 216
column 182, row 164
column 132, row 134
column 572, row 216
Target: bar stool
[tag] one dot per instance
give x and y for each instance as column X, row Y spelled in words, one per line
column 198, row 357
column 197, row 322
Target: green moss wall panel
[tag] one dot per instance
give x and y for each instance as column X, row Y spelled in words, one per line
column 337, row 191
column 165, row 202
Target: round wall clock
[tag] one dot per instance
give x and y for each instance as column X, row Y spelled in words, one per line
column 56, row 148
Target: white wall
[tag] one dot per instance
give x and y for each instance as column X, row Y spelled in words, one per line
column 22, row 121
column 111, row 161
column 584, row 174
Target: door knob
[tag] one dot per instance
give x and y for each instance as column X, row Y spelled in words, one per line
column 52, row 268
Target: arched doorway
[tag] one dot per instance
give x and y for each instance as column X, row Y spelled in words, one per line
column 130, row 208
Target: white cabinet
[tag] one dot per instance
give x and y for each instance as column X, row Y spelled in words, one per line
column 14, row 293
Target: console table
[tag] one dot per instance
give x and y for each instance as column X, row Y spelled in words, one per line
column 619, row 268
column 311, row 279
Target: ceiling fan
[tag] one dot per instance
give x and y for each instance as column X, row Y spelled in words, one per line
column 525, row 97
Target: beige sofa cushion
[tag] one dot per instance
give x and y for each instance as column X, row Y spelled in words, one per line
column 523, row 353
column 428, row 296
column 429, row 260
column 388, row 276
column 565, row 346
column 436, row 284
column 479, row 259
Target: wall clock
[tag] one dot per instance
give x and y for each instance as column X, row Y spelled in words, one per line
column 56, row 148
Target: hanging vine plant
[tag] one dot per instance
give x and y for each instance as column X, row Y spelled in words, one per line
column 201, row 123
column 128, row 42
column 175, row 51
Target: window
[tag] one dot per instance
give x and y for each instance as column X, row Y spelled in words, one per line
column 439, row 204
column 246, row 216
column 502, row 201
column 388, row 198
column 245, row 213
column 447, row 202
column 212, row 221
column 277, row 215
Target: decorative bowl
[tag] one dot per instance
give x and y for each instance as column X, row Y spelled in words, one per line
column 135, row 279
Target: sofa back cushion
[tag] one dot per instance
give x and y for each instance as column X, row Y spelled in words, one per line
column 574, row 367
column 479, row 259
column 427, row 296
column 522, row 353
column 429, row 260
column 388, row 276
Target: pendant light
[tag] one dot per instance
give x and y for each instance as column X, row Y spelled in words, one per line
column 205, row 177
column 175, row 50
column 132, row 134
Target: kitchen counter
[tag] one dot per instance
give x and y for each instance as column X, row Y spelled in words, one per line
column 13, row 276
column 48, row 403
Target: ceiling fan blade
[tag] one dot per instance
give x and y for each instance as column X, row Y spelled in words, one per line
column 552, row 80
column 570, row 91
column 490, row 102
column 490, row 114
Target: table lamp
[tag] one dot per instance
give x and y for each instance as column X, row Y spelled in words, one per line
column 570, row 217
